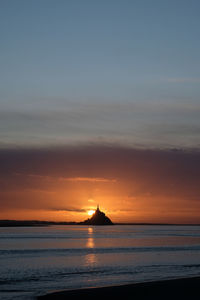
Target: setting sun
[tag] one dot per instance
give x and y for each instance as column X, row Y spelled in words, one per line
column 91, row 212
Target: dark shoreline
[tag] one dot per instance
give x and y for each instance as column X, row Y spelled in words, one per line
column 183, row 288
column 33, row 223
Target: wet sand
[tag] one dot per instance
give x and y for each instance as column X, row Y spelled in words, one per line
column 185, row 288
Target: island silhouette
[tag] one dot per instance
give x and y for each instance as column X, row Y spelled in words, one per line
column 98, row 218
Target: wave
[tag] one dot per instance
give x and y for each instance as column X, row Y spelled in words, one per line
column 105, row 271
column 85, row 251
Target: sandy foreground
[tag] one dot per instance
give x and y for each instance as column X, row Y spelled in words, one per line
column 185, row 288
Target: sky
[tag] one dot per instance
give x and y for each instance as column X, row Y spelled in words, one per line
column 100, row 103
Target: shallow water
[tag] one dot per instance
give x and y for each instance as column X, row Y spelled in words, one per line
column 35, row 260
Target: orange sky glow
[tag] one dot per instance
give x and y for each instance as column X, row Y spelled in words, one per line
column 129, row 185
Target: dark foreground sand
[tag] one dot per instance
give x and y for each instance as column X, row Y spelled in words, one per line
column 186, row 288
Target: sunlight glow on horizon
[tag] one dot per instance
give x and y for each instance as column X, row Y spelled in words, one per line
column 142, row 195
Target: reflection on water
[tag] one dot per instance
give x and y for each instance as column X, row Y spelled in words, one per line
column 90, row 258
column 90, row 242
column 76, row 256
column 90, row 239
column 90, row 230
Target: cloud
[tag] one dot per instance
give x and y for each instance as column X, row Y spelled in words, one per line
column 49, row 178
column 100, row 164
column 67, row 209
column 89, row 179
column 128, row 122
column 91, row 200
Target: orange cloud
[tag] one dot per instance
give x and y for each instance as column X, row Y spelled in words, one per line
column 89, row 179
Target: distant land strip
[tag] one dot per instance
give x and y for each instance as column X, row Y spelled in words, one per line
column 32, row 223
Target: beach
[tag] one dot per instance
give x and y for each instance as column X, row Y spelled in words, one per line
column 184, row 288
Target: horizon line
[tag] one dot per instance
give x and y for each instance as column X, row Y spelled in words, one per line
column 78, row 223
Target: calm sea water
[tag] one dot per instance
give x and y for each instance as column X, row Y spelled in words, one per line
column 35, row 260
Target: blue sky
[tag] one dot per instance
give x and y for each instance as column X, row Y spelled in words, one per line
column 122, row 72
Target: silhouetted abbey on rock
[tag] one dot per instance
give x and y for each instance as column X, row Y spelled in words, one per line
column 98, row 218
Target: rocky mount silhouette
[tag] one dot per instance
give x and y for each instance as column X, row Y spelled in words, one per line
column 98, row 218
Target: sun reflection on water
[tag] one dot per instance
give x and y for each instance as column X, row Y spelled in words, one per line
column 90, row 230
column 90, row 242
column 90, row 239
column 90, row 258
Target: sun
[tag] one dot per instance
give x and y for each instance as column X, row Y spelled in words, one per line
column 91, row 212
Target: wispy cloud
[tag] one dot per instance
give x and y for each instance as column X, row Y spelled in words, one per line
column 129, row 122
column 67, row 209
column 89, row 179
column 72, row 179
column 91, row 200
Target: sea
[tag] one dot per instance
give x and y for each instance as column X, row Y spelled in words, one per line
column 38, row 260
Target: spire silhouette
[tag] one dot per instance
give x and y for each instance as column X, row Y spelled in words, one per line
column 98, row 218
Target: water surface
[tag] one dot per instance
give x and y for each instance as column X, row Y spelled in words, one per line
column 35, row 260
